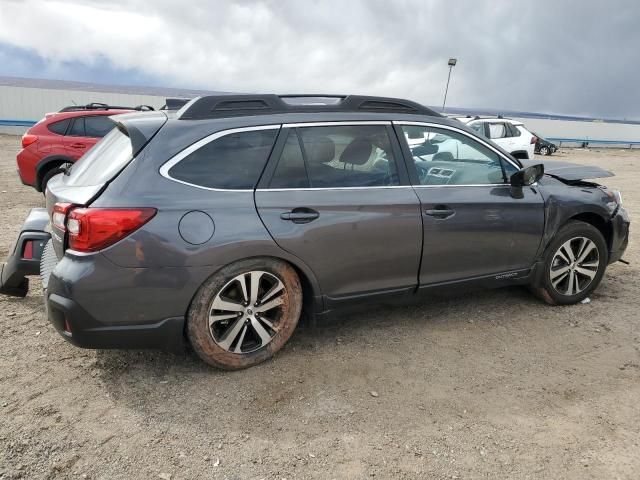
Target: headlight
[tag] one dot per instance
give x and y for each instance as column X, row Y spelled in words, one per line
column 615, row 196
column 618, row 197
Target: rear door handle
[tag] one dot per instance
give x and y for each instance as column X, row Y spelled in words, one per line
column 78, row 145
column 300, row 215
column 441, row 212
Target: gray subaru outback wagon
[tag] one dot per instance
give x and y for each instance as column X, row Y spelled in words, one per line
column 222, row 222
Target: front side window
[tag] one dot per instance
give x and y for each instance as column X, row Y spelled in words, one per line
column 336, row 156
column 234, row 161
column 446, row 157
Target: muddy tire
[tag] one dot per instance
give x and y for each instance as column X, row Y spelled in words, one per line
column 574, row 264
column 245, row 313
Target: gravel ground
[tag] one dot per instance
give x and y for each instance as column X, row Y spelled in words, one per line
column 490, row 385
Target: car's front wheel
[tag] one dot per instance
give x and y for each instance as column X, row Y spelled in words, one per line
column 574, row 264
column 245, row 313
column 545, row 151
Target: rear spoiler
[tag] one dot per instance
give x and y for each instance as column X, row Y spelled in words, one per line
column 140, row 128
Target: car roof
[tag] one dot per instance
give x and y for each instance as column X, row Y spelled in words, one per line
column 57, row 116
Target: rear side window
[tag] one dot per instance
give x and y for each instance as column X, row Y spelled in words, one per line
column 336, row 156
column 97, row 126
column 234, row 161
column 513, row 130
column 103, row 161
column 60, row 127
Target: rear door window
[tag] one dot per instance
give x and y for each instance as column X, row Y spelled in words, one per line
column 97, row 126
column 497, row 130
column 234, row 161
column 336, row 156
column 77, row 128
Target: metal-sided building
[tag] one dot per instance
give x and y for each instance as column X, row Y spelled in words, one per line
column 24, row 101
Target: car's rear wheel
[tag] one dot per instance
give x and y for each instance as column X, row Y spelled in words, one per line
column 574, row 264
column 245, row 313
column 545, row 151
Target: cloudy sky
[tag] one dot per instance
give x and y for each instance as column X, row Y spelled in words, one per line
column 560, row 56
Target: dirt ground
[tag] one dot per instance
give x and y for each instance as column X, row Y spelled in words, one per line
column 493, row 385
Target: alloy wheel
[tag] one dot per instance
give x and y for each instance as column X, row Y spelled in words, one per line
column 574, row 266
column 244, row 314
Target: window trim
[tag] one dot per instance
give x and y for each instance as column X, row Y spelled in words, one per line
column 409, row 159
column 165, row 167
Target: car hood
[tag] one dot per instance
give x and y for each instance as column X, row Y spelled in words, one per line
column 569, row 171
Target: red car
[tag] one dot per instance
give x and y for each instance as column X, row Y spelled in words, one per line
column 63, row 137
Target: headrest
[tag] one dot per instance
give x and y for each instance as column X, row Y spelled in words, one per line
column 319, row 149
column 357, row 152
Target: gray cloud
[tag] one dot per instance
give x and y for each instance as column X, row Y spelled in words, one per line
column 545, row 56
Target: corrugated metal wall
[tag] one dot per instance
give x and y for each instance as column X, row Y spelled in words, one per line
column 30, row 104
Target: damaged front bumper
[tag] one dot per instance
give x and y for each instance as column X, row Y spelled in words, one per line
column 620, row 234
column 24, row 259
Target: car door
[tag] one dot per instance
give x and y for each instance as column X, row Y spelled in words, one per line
column 337, row 196
column 85, row 132
column 473, row 226
column 75, row 141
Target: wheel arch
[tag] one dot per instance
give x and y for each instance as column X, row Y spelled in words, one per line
column 599, row 222
column 46, row 164
column 311, row 294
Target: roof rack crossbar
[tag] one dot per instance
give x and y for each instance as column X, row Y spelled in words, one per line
column 221, row 106
column 104, row 106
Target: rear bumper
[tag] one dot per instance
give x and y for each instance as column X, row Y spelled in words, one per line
column 19, row 263
column 94, row 303
column 78, row 327
column 620, row 234
column 27, row 161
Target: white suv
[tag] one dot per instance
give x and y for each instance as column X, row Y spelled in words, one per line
column 509, row 134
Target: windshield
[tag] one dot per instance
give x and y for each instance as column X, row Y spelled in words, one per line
column 103, row 161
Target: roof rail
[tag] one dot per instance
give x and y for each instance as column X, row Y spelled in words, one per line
column 104, row 106
column 221, row 106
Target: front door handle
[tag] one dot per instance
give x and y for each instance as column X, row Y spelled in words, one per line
column 440, row 212
column 78, row 145
column 300, row 215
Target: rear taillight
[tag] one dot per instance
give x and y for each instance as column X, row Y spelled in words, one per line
column 59, row 216
column 534, row 140
column 92, row 229
column 28, row 139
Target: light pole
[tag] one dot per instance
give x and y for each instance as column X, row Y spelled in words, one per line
column 452, row 63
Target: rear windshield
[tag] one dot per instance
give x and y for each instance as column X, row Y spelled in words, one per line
column 103, row 161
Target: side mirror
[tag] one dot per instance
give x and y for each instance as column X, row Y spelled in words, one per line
column 525, row 177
